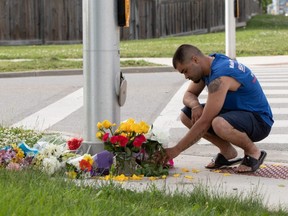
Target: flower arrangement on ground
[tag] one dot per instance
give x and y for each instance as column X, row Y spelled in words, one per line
column 74, row 143
column 133, row 146
column 80, row 167
column 12, row 157
column 51, row 158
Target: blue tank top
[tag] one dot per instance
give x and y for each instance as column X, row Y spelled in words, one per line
column 249, row 96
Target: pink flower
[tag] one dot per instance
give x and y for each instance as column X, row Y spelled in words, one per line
column 119, row 139
column 13, row 166
column 114, row 139
column 105, row 137
column 171, row 163
column 123, row 140
column 138, row 141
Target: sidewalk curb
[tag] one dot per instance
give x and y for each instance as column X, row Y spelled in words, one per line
column 69, row 72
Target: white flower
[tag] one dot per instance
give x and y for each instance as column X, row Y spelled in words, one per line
column 51, row 165
column 53, row 150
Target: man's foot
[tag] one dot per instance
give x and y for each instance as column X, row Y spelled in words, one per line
column 220, row 162
column 251, row 164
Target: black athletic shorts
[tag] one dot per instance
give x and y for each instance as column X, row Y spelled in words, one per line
column 248, row 122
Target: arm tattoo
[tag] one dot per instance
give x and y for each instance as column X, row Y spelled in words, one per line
column 214, row 85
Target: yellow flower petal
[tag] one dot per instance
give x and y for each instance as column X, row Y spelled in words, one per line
column 88, row 158
column 281, row 185
column 120, row 178
column 135, row 177
column 176, row 175
column 217, row 171
column 276, row 165
column 184, row 170
column 152, row 178
column 163, row 176
column 263, row 166
column 107, row 177
column 195, row 171
column 188, row 177
column 226, row 174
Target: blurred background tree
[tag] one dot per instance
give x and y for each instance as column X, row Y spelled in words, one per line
column 264, row 4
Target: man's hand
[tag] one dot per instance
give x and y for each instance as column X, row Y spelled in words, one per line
column 196, row 113
column 169, row 153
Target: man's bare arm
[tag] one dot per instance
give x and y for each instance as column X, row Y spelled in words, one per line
column 190, row 98
column 216, row 95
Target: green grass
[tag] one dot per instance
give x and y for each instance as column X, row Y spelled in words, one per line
column 268, row 22
column 263, row 36
column 33, row 193
column 15, row 135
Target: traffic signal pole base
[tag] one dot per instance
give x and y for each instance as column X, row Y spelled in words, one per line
column 91, row 148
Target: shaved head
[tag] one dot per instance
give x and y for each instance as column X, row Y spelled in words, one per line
column 185, row 52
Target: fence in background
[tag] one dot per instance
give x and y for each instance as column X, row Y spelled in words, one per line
column 60, row 21
column 40, row 21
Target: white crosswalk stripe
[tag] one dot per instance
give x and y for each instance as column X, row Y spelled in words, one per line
column 275, row 85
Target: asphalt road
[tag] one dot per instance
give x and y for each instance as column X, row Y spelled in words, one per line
column 147, row 95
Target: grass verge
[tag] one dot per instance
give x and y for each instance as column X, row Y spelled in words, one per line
column 263, row 36
column 33, row 193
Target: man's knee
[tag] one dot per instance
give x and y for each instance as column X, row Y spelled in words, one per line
column 220, row 125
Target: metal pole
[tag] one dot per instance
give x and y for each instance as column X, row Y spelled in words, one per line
column 101, row 68
column 230, row 29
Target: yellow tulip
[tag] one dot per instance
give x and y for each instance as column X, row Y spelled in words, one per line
column 130, row 121
column 123, row 127
column 99, row 135
column 144, row 127
column 106, row 124
column 136, row 128
column 99, row 125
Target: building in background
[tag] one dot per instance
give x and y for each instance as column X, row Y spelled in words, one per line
column 278, row 7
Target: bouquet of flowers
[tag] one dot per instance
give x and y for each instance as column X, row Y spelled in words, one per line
column 12, row 157
column 133, row 147
column 80, row 167
column 52, row 158
column 128, row 137
column 74, row 143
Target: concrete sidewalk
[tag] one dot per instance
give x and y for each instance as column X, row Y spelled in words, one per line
column 165, row 66
column 189, row 172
